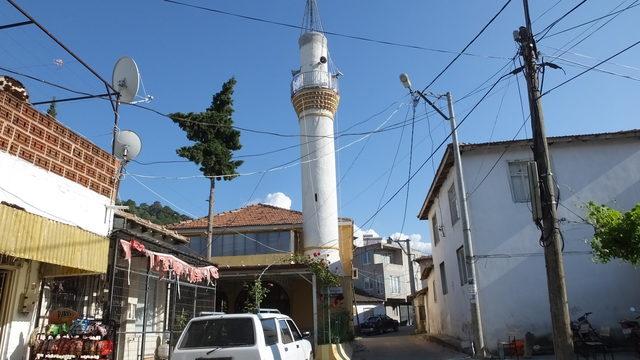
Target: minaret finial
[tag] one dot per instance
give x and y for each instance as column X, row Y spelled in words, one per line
column 311, row 19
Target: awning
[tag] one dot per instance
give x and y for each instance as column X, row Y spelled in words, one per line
column 34, row 237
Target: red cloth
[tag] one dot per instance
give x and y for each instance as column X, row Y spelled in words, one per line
column 135, row 244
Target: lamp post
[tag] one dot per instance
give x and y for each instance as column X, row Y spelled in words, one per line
column 479, row 348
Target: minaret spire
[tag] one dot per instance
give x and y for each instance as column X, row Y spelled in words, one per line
column 311, row 19
column 315, row 98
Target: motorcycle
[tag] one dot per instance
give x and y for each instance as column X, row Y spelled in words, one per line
column 631, row 330
column 583, row 331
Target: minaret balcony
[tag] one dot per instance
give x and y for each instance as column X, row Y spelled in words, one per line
column 314, row 79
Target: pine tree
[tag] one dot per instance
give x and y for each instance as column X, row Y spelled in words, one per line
column 214, row 140
column 52, row 110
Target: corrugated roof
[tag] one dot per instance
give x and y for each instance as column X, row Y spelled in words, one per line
column 28, row 236
column 447, row 159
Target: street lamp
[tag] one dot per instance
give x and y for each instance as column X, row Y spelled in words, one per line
column 466, row 230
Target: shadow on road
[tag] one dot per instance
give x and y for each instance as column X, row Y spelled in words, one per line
column 401, row 345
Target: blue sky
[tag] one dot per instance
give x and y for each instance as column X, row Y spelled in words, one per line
column 186, row 54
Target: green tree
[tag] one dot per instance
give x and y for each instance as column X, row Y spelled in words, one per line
column 156, row 213
column 617, row 234
column 214, row 140
column 52, row 110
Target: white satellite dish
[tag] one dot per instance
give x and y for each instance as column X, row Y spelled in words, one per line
column 127, row 145
column 126, row 79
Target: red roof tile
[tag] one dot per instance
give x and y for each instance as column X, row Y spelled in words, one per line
column 252, row 215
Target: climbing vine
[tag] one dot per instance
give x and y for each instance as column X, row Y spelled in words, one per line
column 617, row 234
column 318, row 266
column 256, row 293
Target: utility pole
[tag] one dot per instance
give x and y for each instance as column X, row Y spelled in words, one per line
column 562, row 343
column 476, row 319
column 479, row 349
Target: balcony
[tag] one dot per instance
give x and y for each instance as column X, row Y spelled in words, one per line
column 314, row 79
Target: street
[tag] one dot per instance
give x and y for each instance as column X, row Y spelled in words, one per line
column 401, row 345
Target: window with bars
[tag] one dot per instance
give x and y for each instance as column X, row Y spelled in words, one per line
column 443, row 279
column 394, row 282
column 251, row 243
column 519, row 181
column 434, row 228
column 463, row 268
column 453, row 204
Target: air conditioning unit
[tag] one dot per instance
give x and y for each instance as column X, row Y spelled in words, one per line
column 354, row 273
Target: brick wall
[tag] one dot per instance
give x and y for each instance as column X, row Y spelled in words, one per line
column 43, row 141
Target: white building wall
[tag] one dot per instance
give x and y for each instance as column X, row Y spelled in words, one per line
column 449, row 314
column 52, row 196
column 16, row 332
column 511, row 272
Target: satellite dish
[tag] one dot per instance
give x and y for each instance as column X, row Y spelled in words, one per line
column 127, row 145
column 126, row 79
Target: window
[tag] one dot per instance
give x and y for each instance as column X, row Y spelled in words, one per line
column 367, row 283
column 443, row 279
column 367, row 257
column 463, row 269
column 270, row 331
column 519, row 181
column 434, row 226
column 219, row 333
column 453, row 204
column 284, row 332
column 395, row 284
column 294, row 329
column 251, row 243
column 383, row 258
column 433, row 287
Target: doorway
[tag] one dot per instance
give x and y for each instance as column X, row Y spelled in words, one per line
column 5, row 277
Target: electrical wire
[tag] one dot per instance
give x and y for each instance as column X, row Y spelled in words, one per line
column 467, row 46
column 591, row 68
column 585, row 66
column 353, row 37
column 554, row 23
column 592, row 20
column 564, row 51
column 406, row 200
column 364, row 224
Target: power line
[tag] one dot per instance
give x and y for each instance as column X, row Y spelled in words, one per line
column 591, row 68
column 353, row 37
column 592, row 20
column 554, row 23
column 593, row 32
column 437, row 148
column 467, row 46
column 406, row 200
column 584, row 66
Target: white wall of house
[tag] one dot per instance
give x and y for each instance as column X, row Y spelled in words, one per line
column 366, row 310
column 17, row 324
column 511, row 271
column 52, row 196
column 448, row 313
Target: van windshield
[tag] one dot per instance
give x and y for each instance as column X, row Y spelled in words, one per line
column 224, row 332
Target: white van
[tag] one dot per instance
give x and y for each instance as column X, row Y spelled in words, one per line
column 243, row 337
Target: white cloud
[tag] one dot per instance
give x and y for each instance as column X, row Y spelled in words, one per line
column 416, row 242
column 278, row 199
column 359, row 234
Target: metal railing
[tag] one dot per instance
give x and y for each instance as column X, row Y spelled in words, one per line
column 314, row 79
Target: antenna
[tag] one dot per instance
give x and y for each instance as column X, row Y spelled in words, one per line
column 126, row 79
column 127, row 145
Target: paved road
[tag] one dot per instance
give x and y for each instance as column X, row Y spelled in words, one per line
column 402, row 345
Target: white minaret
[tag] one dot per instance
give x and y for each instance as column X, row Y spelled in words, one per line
column 314, row 94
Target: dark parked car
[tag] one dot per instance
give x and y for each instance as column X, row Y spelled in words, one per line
column 378, row 324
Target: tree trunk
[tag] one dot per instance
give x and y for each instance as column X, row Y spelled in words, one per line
column 212, row 190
